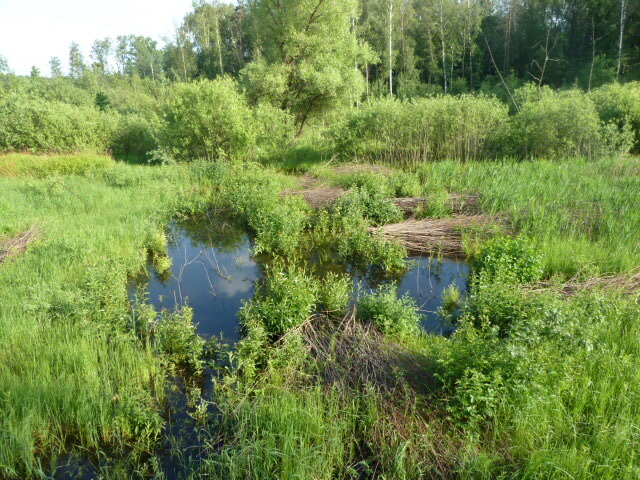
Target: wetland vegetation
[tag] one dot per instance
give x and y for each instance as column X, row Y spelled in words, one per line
column 289, row 272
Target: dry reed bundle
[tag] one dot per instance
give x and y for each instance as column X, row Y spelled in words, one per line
column 628, row 284
column 17, row 244
column 318, row 197
column 351, row 353
column 441, row 236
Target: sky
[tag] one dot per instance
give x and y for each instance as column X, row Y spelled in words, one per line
column 33, row 31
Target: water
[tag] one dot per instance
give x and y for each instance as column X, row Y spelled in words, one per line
column 426, row 282
column 213, row 272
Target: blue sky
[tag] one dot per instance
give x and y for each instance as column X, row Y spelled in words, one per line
column 32, row 31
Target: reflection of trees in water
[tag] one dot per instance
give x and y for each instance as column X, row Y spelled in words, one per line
column 213, row 230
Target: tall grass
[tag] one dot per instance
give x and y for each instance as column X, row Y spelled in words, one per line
column 71, row 370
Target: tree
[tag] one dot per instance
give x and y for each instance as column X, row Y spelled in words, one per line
column 100, row 53
column 309, row 45
column 76, row 61
column 35, row 72
column 55, row 65
column 4, row 65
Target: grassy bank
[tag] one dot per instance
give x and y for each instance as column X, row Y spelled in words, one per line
column 72, row 373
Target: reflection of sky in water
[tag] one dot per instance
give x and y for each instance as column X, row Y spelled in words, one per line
column 213, row 272
column 211, row 281
column 425, row 283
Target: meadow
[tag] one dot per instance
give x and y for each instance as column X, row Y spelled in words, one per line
column 334, row 374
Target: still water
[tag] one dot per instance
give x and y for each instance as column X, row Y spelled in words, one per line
column 213, row 272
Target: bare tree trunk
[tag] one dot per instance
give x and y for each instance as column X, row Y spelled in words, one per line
column 623, row 14
column 390, row 47
column 443, row 46
column 219, row 44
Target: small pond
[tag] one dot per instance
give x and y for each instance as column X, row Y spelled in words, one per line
column 213, row 272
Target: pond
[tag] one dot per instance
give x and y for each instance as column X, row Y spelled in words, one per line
column 213, row 272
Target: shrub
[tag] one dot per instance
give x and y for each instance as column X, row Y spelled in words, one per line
column 275, row 129
column 508, row 259
column 557, row 124
column 390, row 313
column 134, row 137
column 206, row 119
column 619, row 104
column 335, row 292
column 370, row 204
column 41, row 126
column 285, row 300
column 422, row 130
column 175, row 335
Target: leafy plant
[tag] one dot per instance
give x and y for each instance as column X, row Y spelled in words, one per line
column 393, row 315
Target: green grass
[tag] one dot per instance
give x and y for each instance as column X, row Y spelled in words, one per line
column 582, row 214
column 71, row 370
column 530, row 386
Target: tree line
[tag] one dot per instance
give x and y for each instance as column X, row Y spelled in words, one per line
column 413, row 47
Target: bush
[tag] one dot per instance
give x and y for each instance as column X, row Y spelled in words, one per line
column 557, row 124
column 134, row 137
column 391, row 314
column 370, row 204
column 206, row 119
column 285, row 300
column 422, row 130
column 508, row 259
column 40, row 126
column 335, row 292
column 175, row 335
column 619, row 104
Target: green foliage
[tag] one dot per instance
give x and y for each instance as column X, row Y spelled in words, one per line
column 175, row 335
column 513, row 260
column 370, row 204
column 41, row 166
column 40, row 126
column 102, row 101
column 422, row 130
column 206, row 119
column 282, row 433
column 307, row 55
column 275, row 130
column 393, row 315
column 133, row 137
column 451, row 298
column 555, row 125
column 619, row 104
column 334, row 292
column 286, row 299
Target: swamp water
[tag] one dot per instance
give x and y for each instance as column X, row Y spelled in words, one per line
column 213, row 271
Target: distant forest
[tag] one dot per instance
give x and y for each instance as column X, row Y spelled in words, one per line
column 411, row 47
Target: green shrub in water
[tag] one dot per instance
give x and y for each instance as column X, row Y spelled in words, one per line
column 335, row 292
column 393, row 315
column 286, row 299
column 175, row 335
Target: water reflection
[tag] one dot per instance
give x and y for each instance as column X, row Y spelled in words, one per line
column 212, row 271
